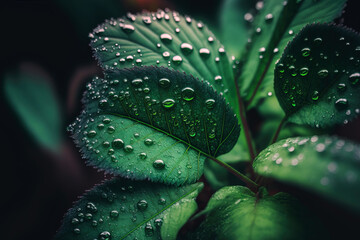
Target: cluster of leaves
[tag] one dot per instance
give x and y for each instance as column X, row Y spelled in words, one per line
column 165, row 105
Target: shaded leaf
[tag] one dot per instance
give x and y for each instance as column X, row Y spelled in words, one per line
column 123, row 209
column 154, row 123
column 236, row 213
column 235, row 19
column 324, row 165
column 274, row 26
column 317, row 79
column 33, row 99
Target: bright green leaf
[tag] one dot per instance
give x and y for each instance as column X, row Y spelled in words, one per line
column 237, row 213
column 327, row 166
column 317, row 79
column 165, row 38
column 123, row 209
column 154, row 123
column 33, row 99
column 274, row 27
column 235, row 19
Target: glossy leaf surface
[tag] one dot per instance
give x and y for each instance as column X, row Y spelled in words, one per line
column 317, row 79
column 275, row 25
column 154, row 123
column 236, row 213
column 327, row 166
column 124, row 209
column 167, row 39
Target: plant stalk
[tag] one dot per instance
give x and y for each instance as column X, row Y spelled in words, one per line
column 250, row 183
column 276, row 135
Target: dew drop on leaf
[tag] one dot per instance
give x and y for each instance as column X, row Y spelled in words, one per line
column 118, row 143
column 168, row 103
column 186, row 48
column 210, row 103
column 159, row 164
column 105, row 235
column 354, row 78
column 188, row 94
column 164, row 83
column 142, row 205
column 341, row 103
column 166, row 38
column 204, row 52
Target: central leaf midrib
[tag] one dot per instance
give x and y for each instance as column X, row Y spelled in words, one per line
column 159, row 212
column 160, row 130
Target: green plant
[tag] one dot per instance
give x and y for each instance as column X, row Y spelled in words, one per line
column 162, row 109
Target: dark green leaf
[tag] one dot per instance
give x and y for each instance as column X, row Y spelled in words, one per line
column 317, row 79
column 235, row 19
column 154, row 123
column 123, row 209
column 274, row 26
column 33, row 99
column 325, row 165
column 165, row 39
column 236, row 213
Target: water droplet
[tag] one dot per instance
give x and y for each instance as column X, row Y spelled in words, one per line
column 159, row 164
column 248, row 17
column 164, row 83
column 305, row 52
column 105, row 235
column 103, row 104
column 142, row 205
column 166, row 54
column 188, row 94
column 162, row 201
column 166, row 38
column 318, row 40
column 177, row 60
column 127, row 28
column 354, row 78
column 114, row 214
column 149, row 231
column 210, row 103
column 76, row 231
column 323, row 73
column 221, row 50
column 137, row 82
column 91, row 134
column 210, row 39
column 168, row 103
column 186, row 48
column 304, row 71
column 218, row 78
column 143, row 156
column 110, row 129
column 118, row 143
column 146, row 20
column 128, row 148
column 148, row 142
column 91, row 207
column 204, row 52
column 268, row 17
column 315, row 95
column 280, row 67
column 341, row 87
column 320, row 147
column 158, row 222
column 341, row 103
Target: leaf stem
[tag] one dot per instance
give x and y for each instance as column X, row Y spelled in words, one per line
column 276, row 135
column 244, row 121
column 250, row 183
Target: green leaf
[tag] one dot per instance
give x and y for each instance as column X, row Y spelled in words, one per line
column 235, row 18
column 167, row 39
column 317, row 79
column 327, row 166
column 236, row 213
column 123, row 209
column 274, row 26
column 33, row 99
column 154, row 123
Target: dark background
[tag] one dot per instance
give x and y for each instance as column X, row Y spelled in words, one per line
column 37, row 187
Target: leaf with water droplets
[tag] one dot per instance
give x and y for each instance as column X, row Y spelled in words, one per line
column 327, row 91
column 235, row 20
column 165, row 38
column 237, row 213
column 34, row 100
column 326, row 166
column 270, row 37
column 123, row 209
column 154, row 123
